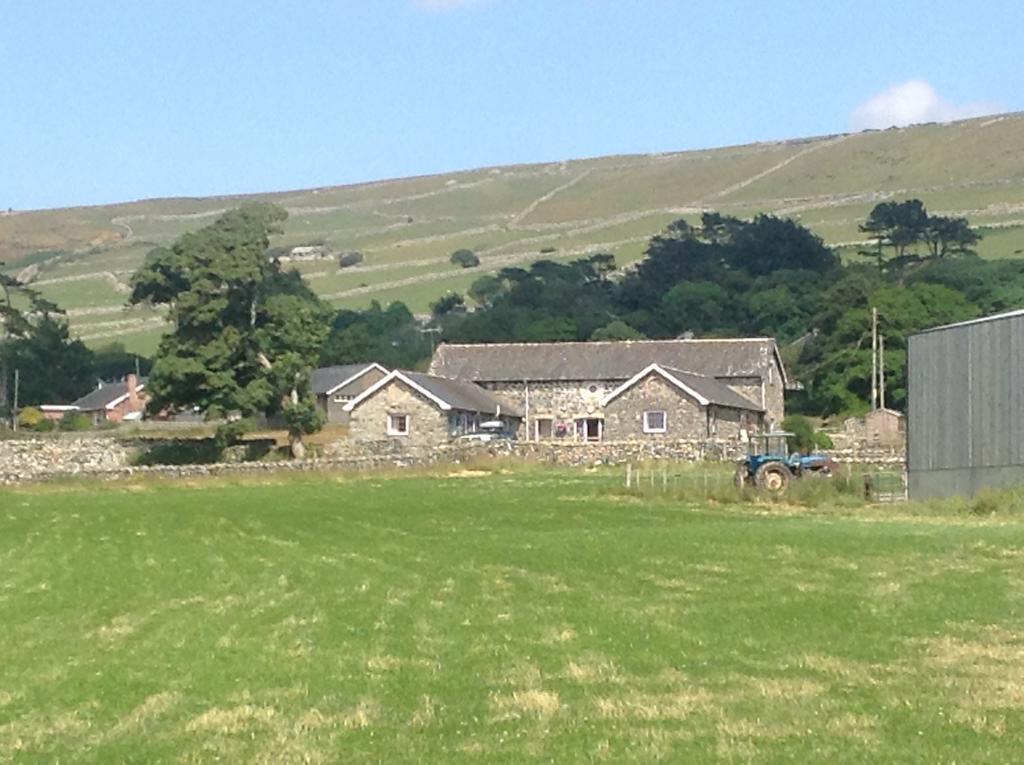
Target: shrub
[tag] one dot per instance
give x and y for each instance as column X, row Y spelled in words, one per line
column 465, row 258
column 45, row 425
column 349, row 259
column 548, row 250
column 202, row 451
column 450, row 302
column 75, row 421
column 30, row 417
column 806, row 438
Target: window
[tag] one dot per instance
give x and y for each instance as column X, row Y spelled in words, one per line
column 342, row 398
column 589, row 429
column 655, row 422
column 398, row 424
column 544, row 427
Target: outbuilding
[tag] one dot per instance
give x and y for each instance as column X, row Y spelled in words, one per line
column 965, row 395
column 660, row 403
column 420, row 411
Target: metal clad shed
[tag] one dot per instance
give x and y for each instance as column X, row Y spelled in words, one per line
column 966, row 407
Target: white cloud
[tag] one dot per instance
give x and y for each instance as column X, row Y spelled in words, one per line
column 444, row 5
column 913, row 102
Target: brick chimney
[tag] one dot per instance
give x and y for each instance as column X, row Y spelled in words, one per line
column 132, row 384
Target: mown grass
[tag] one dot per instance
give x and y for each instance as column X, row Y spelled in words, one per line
column 487, row 615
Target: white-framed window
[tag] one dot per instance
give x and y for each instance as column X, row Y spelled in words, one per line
column 655, row 421
column 342, row 398
column 398, row 424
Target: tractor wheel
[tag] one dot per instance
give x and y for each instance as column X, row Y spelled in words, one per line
column 773, row 477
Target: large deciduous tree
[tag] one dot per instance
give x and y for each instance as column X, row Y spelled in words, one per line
column 246, row 333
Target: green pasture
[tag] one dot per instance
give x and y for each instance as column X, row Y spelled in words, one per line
column 500, row 616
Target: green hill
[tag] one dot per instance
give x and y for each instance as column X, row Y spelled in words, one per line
column 83, row 257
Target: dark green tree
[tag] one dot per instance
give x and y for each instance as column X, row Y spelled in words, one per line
column 450, row 302
column 34, row 339
column 465, row 258
column 949, row 236
column 616, row 330
column 246, row 334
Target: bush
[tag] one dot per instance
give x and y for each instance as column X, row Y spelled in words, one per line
column 349, row 259
column 30, row 417
column 203, row 451
column 450, row 302
column 45, row 425
column 806, row 438
column 75, row 421
column 465, row 258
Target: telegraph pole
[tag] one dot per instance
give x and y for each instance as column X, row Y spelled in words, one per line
column 881, row 371
column 874, row 358
column 14, row 411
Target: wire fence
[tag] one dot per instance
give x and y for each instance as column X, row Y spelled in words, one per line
column 704, row 480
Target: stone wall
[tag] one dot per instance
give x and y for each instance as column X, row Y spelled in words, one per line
column 562, row 402
column 684, row 417
column 565, row 401
column 41, row 456
column 428, row 425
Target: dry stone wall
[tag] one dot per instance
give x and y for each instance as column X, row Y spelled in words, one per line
column 24, row 459
column 45, row 458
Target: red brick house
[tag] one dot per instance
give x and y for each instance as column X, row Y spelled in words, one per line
column 114, row 402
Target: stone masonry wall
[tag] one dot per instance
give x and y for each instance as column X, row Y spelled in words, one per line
column 104, row 457
column 428, row 425
column 30, row 458
column 684, row 417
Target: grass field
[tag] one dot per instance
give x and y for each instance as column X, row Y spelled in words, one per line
column 500, row 616
column 407, row 228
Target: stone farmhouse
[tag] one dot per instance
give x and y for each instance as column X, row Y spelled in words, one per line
column 336, row 386
column 420, row 411
column 644, row 389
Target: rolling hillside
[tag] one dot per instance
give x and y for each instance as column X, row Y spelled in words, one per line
column 83, row 257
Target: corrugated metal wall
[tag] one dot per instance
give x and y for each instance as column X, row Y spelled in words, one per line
column 966, row 407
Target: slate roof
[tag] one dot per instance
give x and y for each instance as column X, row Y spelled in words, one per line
column 326, row 378
column 463, row 395
column 102, row 396
column 457, row 394
column 613, row 360
column 713, row 390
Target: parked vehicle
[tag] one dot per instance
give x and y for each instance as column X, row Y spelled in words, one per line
column 492, row 430
column 770, row 466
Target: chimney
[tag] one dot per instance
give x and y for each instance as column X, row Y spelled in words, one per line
column 131, row 383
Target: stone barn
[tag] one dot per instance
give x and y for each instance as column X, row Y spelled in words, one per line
column 660, row 403
column 562, row 388
column 416, row 411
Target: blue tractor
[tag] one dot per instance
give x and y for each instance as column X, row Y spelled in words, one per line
column 770, row 466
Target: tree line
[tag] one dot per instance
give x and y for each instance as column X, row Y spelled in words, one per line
column 246, row 331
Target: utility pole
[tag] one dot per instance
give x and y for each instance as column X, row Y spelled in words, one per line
column 430, row 331
column 874, row 359
column 14, row 411
column 881, row 371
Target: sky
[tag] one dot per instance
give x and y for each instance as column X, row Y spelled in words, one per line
column 112, row 100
